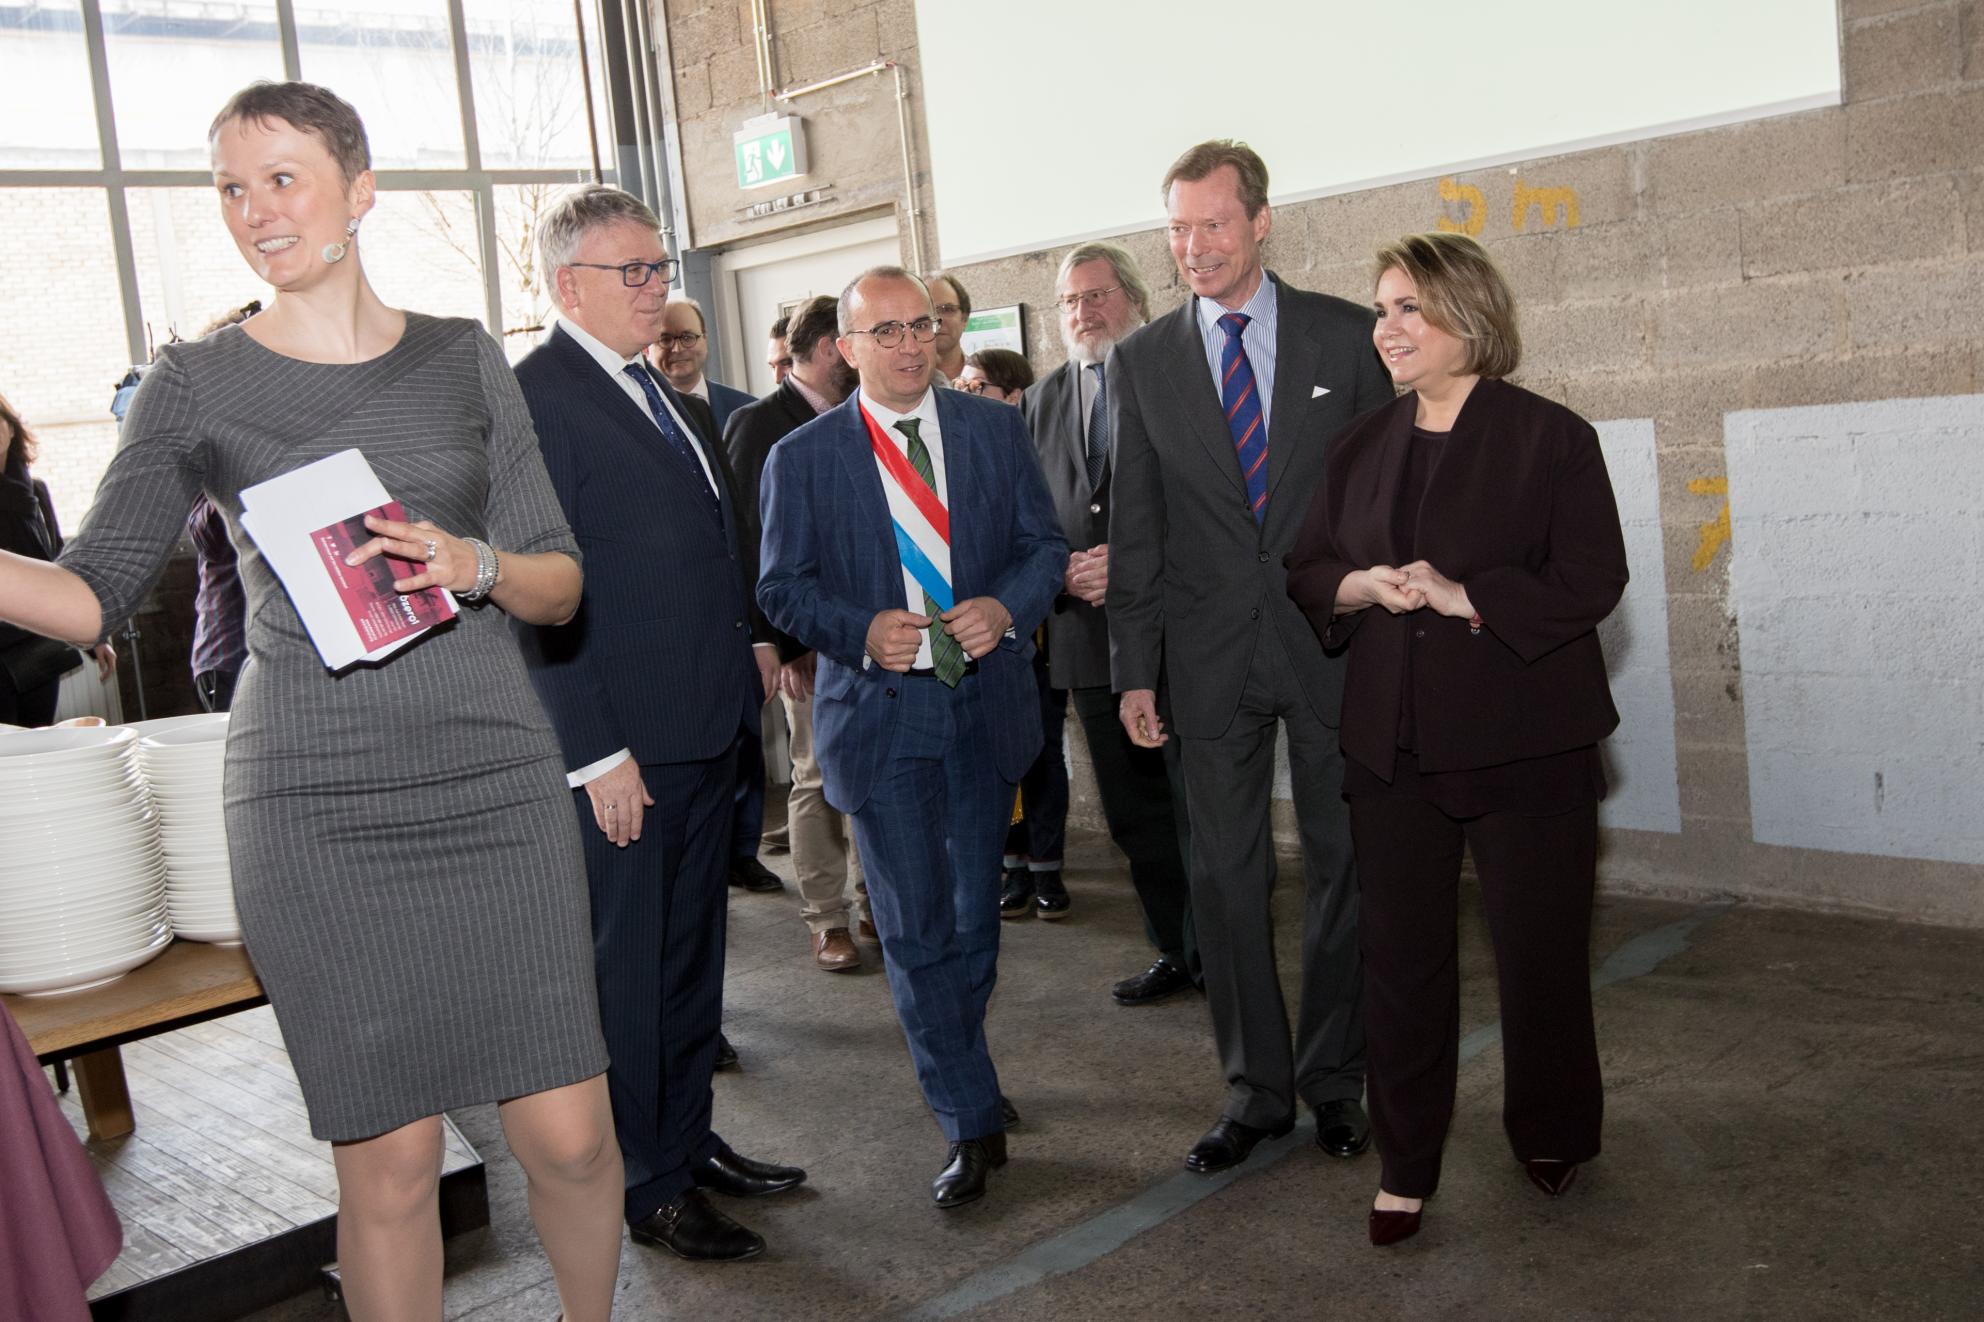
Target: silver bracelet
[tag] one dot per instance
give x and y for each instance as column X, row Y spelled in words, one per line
column 487, row 570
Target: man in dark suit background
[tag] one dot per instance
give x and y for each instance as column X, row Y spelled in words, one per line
column 680, row 353
column 650, row 688
column 1223, row 409
column 909, row 540
column 1102, row 297
column 816, row 834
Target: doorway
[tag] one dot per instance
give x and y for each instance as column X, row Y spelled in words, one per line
column 757, row 284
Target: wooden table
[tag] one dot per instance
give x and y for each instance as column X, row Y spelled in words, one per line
column 188, row 983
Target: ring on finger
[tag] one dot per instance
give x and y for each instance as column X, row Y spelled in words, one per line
column 433, row 548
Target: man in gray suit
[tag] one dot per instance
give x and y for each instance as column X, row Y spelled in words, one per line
column 1222, row 412
column 1102, row 297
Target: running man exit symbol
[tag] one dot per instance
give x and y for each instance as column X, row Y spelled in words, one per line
column 770, row 149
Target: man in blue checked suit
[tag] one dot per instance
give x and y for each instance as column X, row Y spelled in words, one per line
column 910, row 541
column 651, row 688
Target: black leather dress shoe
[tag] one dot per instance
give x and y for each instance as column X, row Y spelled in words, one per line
column 1227, row 1144
column 1050, row 897
column 963, row 1178
column 1009, row 1114
column 741, row 1177
column 1163, row 978
column 690, row 1228
column 1342, row 1128
column 1553, row 1177
column 751, row 875
column 726, row 1055
column 1016, row 893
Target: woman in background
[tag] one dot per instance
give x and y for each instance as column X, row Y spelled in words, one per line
column 1478, row 520
column 997, row 374
column 31, row 668
column 405, row 859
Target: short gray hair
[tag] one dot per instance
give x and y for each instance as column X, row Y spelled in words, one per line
column 1132, row 281
column 845, row 319
column 565, row 226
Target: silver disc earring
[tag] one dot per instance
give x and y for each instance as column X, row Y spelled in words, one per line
column 334, row 252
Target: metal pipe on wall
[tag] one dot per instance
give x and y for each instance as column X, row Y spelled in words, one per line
column 915, row 215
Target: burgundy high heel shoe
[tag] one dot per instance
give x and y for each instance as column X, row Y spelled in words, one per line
column 1553, row 1177
column 1390, row 1227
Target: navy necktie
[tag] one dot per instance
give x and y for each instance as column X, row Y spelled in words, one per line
column 1242, row 403
column 680, row 444
column 1098, row 431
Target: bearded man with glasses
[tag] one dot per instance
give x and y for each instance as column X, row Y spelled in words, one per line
column 910, row 542
column 651, row 688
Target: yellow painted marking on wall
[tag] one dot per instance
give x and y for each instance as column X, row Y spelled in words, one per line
column 1714, row 533
column 1477, row 207
column 1553, row 201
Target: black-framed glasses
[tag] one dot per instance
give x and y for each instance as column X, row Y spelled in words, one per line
column 889, row 334
column 946, row 310
column 1087, row 298
column 636, row 274
column 678, row 340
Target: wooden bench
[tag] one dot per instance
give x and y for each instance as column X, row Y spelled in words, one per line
column 188, row 983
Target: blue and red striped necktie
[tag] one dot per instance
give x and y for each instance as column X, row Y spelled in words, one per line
column 1242, row 402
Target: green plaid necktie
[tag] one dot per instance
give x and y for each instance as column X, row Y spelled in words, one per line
column 946, row 656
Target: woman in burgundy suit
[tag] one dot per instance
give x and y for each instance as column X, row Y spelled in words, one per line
column 1477, row 519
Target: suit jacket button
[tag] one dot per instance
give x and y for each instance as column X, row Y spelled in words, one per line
column 1418, row 633
column 890, row 692
column 1254, row 614
column 1261, row 556
column 737, row 624
column 1094, row 507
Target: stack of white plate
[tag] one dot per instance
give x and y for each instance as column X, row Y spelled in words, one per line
column 182, row 760
column 82, row 882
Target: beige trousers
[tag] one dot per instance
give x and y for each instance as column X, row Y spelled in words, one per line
column 823, row 853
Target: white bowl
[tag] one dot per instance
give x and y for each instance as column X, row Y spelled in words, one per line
column 159, row 725
column 80, row 977
column 79, row 942
column 66, row 748
column 212, row 733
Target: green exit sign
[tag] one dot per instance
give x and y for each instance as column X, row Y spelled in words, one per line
column 770, row 150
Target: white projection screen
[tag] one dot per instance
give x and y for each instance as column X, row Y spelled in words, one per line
column 1052, row 121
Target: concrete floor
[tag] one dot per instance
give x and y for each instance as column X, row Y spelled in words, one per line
column 1792, row 1132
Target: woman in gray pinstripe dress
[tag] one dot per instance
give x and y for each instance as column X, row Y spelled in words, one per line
column 405, row 858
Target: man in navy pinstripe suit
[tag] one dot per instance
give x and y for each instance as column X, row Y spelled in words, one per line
column 650, row 688
column 910, row 541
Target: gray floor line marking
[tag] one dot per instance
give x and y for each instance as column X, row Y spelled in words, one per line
column 1083, row 1244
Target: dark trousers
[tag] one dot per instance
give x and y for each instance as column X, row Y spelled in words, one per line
column 1143, row 801
column 1229, row 788
column 747, row 797
column 929, row 836
column 1041, row 834
column 658, row 913
column 32, row 709
column 215, row 688
column 1537, row 875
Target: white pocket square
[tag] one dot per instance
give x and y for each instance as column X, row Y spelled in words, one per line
column 1319, row 392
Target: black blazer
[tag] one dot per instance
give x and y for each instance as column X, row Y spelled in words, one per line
column 747, row 442
column 1077, row 633
column 1519, row 511
column 658, row 659
column 1193, row 579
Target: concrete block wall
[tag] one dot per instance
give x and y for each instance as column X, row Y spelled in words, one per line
column 1828, row 258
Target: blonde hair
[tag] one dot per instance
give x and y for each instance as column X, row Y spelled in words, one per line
column 1462, row 292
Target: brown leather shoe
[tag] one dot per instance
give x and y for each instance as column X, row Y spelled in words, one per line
column 868, row 932
column 834, row 950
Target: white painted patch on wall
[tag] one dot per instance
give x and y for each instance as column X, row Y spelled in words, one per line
column 1857, row 576
column 1640, row 764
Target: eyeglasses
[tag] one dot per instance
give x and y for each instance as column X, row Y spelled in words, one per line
column 636, row 274
column 889, row 334
column 685, row 340
column 1088, row 298
column 946, row 310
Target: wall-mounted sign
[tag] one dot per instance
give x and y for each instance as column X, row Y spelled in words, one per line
column 995, row 328
column 770, row 150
